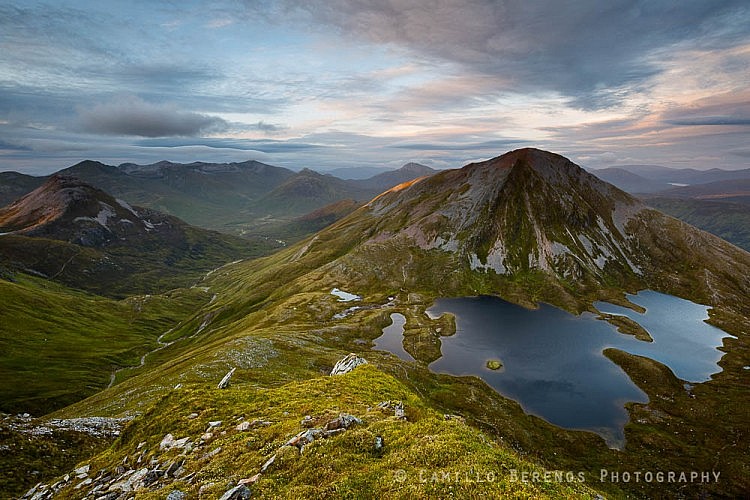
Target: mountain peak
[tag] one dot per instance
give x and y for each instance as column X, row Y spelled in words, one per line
column 68, row 209
column 527, row 209
column 416, row 168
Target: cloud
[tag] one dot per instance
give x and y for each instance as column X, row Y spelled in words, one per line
column 732, row 108
column 264, row 146
column 710, row 120
column 268, row 128
column 499, row 146
column 132, row 116
column 594, row 52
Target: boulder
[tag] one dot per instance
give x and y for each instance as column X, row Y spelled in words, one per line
column 240, row 492
column 347, row 364
column 225, row 381
column 343, row 421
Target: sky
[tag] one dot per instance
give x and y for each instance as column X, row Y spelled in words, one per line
column 324, row 84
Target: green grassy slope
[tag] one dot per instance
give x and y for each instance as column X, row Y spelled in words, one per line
column 730, row 221
column 425, row 456
column 61, row 345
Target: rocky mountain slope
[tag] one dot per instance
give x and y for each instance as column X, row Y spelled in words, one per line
column 535, row 226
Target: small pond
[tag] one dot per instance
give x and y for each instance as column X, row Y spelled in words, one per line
column 392, row 339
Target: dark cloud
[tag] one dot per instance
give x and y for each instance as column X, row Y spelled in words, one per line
column 132, row 116
column 498, row 145
column 730, row 109
column 264, row 146
column 591, row 51
column 268, row 127
column 11, row 146
column 710, row 120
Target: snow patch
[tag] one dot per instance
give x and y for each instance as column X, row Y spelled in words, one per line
column 586, row 244
column 495, row 261
column 441, row 243
column 345, row 296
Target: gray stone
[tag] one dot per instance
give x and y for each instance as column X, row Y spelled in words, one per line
column 169, row 442
column 399, row 412
column 173, row 467
column 152, row 476
column 112, row 495
column 268, row 463
column 225, row 381
column 82, row 470
column 176, row 495
column 240, row 492
column 379, row 444
column 347, row 364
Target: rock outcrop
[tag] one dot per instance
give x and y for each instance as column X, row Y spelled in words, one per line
column 347, row 364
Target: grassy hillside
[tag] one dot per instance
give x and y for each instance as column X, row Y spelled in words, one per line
column 425, row 455
column 730, row 221
column 61, row 345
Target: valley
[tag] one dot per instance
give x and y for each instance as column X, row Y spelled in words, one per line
column 529, row 227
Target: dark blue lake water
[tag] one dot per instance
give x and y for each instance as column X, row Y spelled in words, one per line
column 392, row 339
column 552, row 360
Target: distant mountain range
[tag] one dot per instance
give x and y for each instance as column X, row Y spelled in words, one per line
column 714, row 200
column 638, row 179
column 236, row 198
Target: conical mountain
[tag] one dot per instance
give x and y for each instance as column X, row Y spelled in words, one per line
column 386, row 180
column 530, row 225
